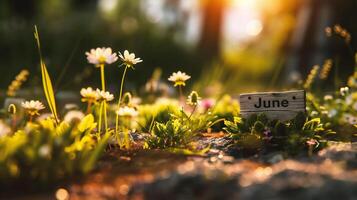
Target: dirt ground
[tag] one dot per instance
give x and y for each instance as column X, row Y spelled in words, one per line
column 154, row 174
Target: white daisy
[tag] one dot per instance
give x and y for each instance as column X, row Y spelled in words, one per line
column 88, row 95
column 104, row 96
column 129, row 58
column 344, row 91
column 101, row 56
column 328, row 97
column 32, row 107
column 127, row 112
column 179, row 78
column 73, row 116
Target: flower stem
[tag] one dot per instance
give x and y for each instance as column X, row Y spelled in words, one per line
column 100, row 120
column 13, row 122
column 180, row 92
column 126, row 139
column 102, row 76
column 120, row 94
column 105, row 116
column 89, row 106
column 193, row 111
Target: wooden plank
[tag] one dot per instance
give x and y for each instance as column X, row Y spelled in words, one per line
column 276, row 105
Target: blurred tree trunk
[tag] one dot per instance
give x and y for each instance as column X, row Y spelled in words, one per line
column 309, row 44
column 209, row 44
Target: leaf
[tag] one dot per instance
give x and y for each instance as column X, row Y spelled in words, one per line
column 251, row 120
column 312, row 124
column 46, row 80
column 87, row 123
column 262, row 118
column 280, row 129
column 237, row 120
column 258, row 127
column 62, row 128
column 299, row 121
column 48, row 89
column 229, row 124
column 91, row 158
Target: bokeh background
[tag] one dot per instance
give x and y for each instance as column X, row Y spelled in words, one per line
column 227, row 45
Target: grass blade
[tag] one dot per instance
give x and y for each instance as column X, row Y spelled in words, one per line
column 46, row 81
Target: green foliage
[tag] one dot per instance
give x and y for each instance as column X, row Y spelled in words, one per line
column 45, row 152
column 172, row 134
column 180, row 130
column 159, row 112
column 226, row 108
column 337, row 111
column 198, row 122
column 257, row 132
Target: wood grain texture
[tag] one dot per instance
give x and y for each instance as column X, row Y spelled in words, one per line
column 276, row 105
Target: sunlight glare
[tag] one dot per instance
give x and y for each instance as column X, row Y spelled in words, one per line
column 107, row 5
column 254, row 27
column 243, row 21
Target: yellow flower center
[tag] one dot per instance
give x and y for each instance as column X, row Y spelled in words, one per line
column 102, row 60
column 179, row 83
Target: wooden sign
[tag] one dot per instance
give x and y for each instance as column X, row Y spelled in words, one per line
column 276, row 105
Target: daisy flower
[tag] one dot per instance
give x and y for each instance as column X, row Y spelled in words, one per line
column 129, row 58
column 104, row 96
column 100, row 56
column 73, row 116
column 179, row 78
column 127, row 112
column 344, row 91
column 32, row 107
column 328, row 97
column 88, row 95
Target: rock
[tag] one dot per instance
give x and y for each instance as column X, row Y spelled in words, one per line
column 275, row 158
column 190, row 187
column 291, row 184
column 322, row 176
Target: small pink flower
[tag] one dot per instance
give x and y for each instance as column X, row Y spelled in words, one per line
column 312, row 142
column 207, row 103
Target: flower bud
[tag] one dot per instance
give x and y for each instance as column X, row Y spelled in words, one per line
column 193, row 98
column 127, row 99
column 11, row 109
